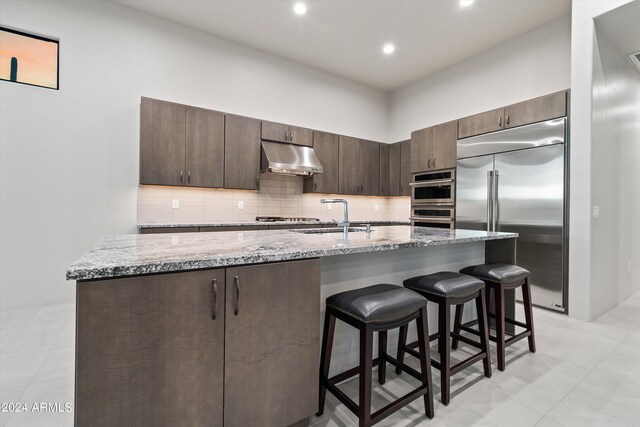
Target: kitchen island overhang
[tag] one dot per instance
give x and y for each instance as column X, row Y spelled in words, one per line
column 207, row 327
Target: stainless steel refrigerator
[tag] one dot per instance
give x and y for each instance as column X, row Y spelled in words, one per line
column 516, row 180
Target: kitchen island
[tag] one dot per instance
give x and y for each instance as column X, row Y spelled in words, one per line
column 223, row 328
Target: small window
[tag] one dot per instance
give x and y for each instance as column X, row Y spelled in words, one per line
column 28, row 59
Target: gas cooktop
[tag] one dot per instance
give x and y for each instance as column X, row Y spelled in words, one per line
column 282, row 218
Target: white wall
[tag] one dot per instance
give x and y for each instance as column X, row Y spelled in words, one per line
column 533, row 64
column 615, row 147
column 583, row 301
column 69, row 158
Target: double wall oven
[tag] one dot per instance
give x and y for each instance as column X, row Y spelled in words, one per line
column 433, row 197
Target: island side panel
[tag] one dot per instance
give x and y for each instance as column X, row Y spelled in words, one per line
column 148, row 351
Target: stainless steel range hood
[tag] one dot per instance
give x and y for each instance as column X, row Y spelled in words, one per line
column 289, row 159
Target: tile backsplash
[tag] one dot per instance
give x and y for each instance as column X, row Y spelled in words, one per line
column 278, row 196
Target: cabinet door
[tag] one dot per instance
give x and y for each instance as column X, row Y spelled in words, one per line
column 242, row 152
column 300, row 136
column 445, row 140
column 394, row 169
column 369, row 167
column 384, row 188
column 327, row 148
column 405, row 167
column 272, row 131
column 477, row 124
column 205, row 148
column 272, row 343
column 349, row 178
column 421, row 150
column 536, row 110
column 162, row 142
column 148, row 352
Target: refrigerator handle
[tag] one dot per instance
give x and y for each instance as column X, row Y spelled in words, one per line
column 489, row 199
column 496, row 201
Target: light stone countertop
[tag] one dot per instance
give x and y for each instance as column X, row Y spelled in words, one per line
column 262, row 223
column 139, row 254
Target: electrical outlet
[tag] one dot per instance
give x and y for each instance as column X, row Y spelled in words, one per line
column 595, row 212
column 175, row 203
column 240, row 204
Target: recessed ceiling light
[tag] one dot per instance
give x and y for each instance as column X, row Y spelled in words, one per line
column 388, row 48
column 466, row 3
column 300, row 8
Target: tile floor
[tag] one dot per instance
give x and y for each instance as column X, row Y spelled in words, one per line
column 584, row 374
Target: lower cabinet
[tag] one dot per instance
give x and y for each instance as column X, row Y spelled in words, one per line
column 169, row 349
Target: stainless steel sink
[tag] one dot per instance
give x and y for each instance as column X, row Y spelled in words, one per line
column 327, row 230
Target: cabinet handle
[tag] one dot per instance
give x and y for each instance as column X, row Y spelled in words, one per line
column 181, row 177
column 236, row 285
column 428, row 163
column 507, row 119
column 290, row 136
column 315, row 185
column 286, row 136
column 214, row 299
column 189, row 176
column 500, row 122
column 434, row 162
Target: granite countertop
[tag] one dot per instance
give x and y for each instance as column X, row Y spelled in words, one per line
column 139, row 254
column 262, row 223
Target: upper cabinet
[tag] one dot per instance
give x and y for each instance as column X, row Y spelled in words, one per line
column 359, row 171
column 279, row 132
column 434, row 148
column 162, row 142
column 394, row 169
column 205, row 148
column 326, row 146
column 534, row 110
column 385, row 179
column 489, row 121
column 405, row 167
column 180, row 145
column 242, row 152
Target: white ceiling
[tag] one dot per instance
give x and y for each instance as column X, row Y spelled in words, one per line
column 345, row 37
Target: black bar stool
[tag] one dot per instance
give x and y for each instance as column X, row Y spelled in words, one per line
column 375, row 308
column 447, row 288
column 498, row 278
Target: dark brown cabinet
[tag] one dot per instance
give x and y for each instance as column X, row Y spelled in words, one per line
column 280, row 132
column 359, row 166
column 192, row 348
column 242, row 152
column 489, row 121
column 536, row 110
column 434, row 148
column 204, row 148
column 394, row 169
column 272, row 343
column 149, row 351
column 546, row 107
column 162, row 142
column 327, row 148
column 385, row 179
column 180, row 145
column 405, row 167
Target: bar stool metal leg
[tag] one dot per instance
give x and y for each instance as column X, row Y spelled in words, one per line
column 364, row 395
column 483, row 327
column 456, row 326
column 500, row 326
column 402, row 340
column 425, row 360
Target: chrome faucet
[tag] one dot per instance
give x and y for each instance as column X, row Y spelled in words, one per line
column 345, row 221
